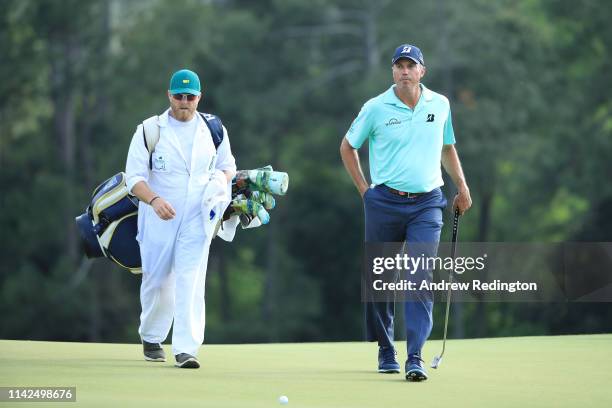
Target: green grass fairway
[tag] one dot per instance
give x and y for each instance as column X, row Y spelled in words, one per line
column 565, row 371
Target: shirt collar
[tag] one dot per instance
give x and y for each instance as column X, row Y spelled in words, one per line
column 163, row 118
column 392, row 99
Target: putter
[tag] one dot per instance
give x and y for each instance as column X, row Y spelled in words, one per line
column 438, row 359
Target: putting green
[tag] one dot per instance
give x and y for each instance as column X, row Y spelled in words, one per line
column 563, row 371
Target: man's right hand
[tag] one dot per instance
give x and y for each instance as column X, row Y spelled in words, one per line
column 163, row 209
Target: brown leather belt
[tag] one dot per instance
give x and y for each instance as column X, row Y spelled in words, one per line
column 402, row 193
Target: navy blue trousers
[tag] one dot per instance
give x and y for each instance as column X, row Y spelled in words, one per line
column 392, row 218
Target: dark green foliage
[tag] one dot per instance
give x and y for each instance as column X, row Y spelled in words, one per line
column 529, row 87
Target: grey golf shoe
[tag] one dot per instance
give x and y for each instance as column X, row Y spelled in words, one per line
column 185, row 360
column 153, row 352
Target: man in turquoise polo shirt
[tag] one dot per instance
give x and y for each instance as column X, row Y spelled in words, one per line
column 410, row 133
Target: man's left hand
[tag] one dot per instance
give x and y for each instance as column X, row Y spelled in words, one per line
column 463, row 200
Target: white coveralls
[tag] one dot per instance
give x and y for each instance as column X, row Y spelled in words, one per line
column 175, row 252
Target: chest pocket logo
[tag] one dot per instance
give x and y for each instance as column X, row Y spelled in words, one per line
column 393, row 121
column 160, row 164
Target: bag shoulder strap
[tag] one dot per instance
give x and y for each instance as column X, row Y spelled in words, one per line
column 215, row 126
column 150, row 134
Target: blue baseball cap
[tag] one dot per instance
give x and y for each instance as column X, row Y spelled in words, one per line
column 408, row 51
column 185, row 82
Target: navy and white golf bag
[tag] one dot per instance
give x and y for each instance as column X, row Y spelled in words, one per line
column 109, row 225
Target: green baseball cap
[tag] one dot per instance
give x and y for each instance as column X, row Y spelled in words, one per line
column 185, row 82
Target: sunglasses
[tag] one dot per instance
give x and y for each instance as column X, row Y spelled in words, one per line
column 180, row 97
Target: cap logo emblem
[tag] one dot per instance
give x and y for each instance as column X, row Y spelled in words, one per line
column 185, row 81
column 406, row 50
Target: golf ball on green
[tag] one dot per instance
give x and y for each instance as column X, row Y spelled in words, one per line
column 283, row 400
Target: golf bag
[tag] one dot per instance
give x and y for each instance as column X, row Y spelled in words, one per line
column 109, row 225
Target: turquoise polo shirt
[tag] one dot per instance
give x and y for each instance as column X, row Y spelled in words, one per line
column 405, row 144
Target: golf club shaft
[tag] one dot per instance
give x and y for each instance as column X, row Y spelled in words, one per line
column 450, row 278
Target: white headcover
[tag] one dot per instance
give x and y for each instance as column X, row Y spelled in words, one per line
column 216, row 198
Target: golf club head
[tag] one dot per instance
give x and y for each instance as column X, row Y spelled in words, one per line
column 436, row 362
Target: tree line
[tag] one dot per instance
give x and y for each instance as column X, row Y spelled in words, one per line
column 527, row 83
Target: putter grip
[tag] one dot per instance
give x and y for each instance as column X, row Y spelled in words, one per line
column 455, row 232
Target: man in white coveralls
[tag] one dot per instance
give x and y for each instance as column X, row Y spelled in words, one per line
column 186, row 165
